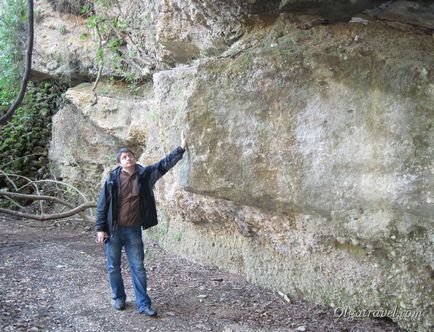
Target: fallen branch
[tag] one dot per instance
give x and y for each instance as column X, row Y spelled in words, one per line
column 29, row 182
column 36, row 198
column 56, row 182
column 14, row 202
column 58, row 196
column 54, row 216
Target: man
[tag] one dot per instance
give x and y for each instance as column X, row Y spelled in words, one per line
column 126, row 204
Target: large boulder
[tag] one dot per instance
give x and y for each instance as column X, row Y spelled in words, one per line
column 310, row 165
column 86, row 134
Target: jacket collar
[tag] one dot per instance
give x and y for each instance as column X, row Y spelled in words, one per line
column 139, row 170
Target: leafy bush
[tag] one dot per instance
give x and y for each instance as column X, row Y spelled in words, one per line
column 24, row 140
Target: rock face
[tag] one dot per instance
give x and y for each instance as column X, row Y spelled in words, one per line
column 156, row 35
column 150, row 35
column 86, row 136
column 310, row 168
column 63, row 48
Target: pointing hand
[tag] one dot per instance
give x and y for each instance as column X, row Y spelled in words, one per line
column 184, row 144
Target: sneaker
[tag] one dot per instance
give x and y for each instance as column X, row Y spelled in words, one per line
column 148, row 311
column 119, row 304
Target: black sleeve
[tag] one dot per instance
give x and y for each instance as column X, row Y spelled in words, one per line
column 160, row 168
column 102, row 208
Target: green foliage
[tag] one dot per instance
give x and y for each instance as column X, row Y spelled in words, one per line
column 111, row 24
column 114, row 43
column 13, row 27
column 177, row 237
column 91, row 21
column 63, row 30
column 85, row 9
column 100, row 55
column 24, row 140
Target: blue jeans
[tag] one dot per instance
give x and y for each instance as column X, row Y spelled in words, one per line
column 131, row 239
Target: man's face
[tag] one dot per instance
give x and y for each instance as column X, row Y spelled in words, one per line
column 127, row 160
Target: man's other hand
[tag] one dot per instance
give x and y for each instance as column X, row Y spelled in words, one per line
column 101, row 237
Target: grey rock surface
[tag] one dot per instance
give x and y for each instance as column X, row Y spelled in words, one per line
column 86, row 135
column 310, row 163
column 139, row 38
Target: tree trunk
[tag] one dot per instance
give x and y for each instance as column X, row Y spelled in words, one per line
column 12, row 108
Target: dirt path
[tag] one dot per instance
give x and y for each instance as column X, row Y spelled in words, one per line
column 53, row 278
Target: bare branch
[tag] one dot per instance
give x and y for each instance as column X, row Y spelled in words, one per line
column 54, row 216
column 29, row 182
column 95, row 85
column 36, row 198
column 9, row 179
column 39, row 197
column 101, row 65
column 14, row 202
column 62, row 183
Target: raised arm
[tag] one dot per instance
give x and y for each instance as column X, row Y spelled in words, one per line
column 160, row 168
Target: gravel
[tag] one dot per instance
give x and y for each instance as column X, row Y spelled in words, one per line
column 53, row 278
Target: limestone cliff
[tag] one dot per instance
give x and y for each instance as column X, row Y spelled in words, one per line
column 310, row 168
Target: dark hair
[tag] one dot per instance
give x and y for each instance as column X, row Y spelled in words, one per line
column 123, row 150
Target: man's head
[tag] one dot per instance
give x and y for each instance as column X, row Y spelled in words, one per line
column 125, row 157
